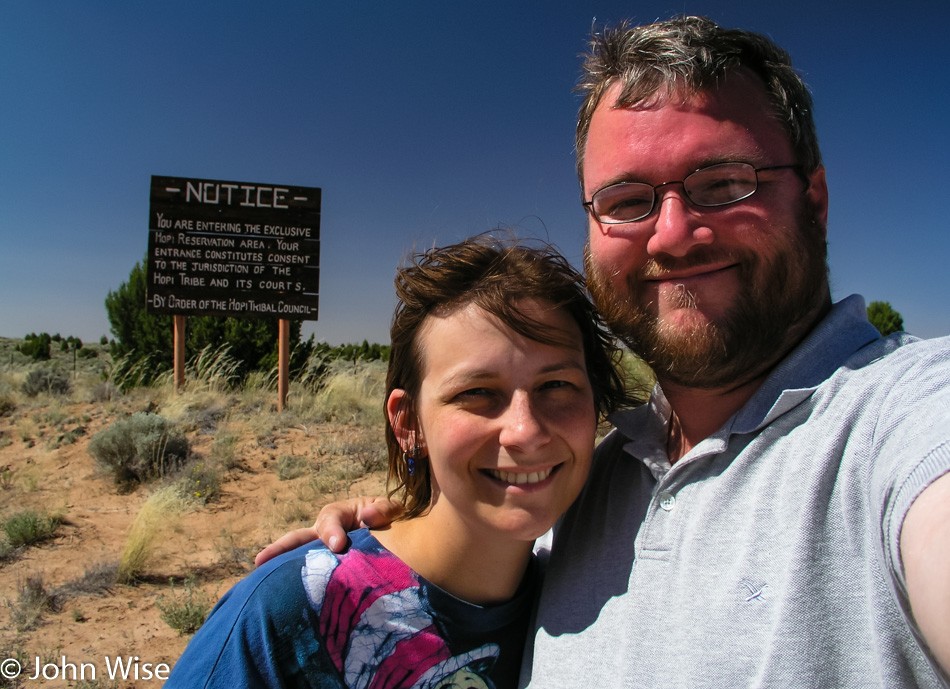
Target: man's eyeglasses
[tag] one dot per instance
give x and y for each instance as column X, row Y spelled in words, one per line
column 716, row 185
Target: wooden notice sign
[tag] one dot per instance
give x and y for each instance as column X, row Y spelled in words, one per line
column 233, row 249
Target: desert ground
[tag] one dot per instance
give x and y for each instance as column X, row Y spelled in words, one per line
column 62, row 599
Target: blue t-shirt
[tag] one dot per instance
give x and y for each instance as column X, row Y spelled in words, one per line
column 359, row 620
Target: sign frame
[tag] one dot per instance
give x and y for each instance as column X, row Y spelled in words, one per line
column 225, row 248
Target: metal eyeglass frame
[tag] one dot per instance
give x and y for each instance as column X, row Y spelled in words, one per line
column 589, row 205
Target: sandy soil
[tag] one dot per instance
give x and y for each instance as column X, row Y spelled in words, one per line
column 214, row 543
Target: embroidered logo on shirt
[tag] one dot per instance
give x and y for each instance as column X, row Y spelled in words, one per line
column 752, row 591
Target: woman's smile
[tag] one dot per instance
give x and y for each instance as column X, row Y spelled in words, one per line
column 520, row 477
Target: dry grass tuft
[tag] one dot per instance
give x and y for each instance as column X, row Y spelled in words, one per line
column 33, row 601
column 352, row 392
column 233, row 556
column 98, row 579
column 160, row 513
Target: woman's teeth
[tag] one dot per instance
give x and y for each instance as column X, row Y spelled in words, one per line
column 517, row 479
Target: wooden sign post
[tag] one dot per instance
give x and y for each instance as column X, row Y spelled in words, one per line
column 179, row 349
column 283, row 362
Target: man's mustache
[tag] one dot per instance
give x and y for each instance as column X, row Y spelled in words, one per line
column 660, row 266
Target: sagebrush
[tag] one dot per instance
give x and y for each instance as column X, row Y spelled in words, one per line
column 140, row 448
column 33, row 601
column 45, row 380
column 184, row 612
column 29, row 527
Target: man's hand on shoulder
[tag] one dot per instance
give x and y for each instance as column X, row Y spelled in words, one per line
column 332, row 524
column 925, row 551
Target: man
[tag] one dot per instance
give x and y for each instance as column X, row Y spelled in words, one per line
column 779, row 513
column 745, row 527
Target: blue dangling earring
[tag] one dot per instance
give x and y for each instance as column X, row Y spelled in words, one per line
column 411, row 457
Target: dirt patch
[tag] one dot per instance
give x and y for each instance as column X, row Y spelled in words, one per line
column 45, row 468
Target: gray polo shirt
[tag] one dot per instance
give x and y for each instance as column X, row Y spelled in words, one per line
column 769, row 555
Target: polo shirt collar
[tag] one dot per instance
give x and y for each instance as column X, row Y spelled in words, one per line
column 835, row 340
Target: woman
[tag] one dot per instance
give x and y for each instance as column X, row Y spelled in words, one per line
column 498, row 373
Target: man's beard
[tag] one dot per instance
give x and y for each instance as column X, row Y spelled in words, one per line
column 780, row 297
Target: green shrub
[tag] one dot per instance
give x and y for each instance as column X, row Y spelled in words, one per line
column 224, row 448
column 184, row 613
column 29, row 527
column 289, row 467
column 48, row 380
column 140, row 448
column 200, row 482
column 36, row 346
column 86, row 353
column 67, row 437
column 104, row 392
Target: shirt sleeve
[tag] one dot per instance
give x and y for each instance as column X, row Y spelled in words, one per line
column 260, row 634
column 913, row 441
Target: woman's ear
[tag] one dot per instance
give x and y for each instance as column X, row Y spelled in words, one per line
column 399, row 412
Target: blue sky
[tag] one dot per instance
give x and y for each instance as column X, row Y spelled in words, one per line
column 423, row 122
